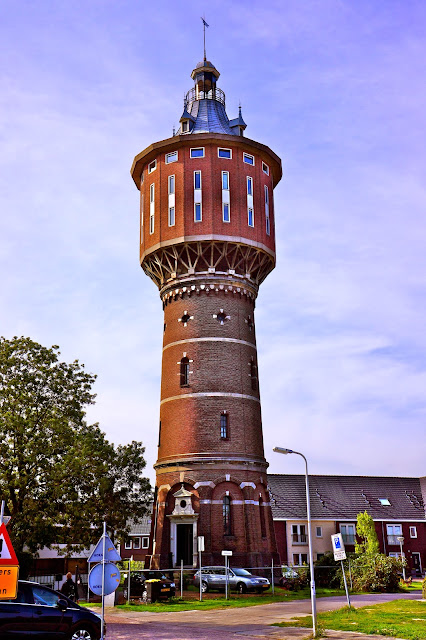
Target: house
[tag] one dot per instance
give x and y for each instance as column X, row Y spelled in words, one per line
column 137, row 543
column 397, row 506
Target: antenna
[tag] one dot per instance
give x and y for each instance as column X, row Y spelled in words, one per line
column 204, row 29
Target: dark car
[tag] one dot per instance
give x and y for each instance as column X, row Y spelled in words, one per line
column 43, row 613
column 167, row 588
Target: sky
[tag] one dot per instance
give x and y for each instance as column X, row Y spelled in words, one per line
column 337, row 89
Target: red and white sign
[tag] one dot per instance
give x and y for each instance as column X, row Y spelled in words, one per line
column 7, row 553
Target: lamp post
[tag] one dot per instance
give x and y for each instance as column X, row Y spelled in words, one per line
column 401, row 542
column 311, row 557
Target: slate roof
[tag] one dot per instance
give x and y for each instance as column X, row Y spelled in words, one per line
column 142, row 528
column 343, row 497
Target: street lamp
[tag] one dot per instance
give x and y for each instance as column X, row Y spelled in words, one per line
column 401, row 542
column 311, row 557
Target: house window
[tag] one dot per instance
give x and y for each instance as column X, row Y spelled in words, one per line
column 225, row 180
column 393, row 531
column 250, row 217
column 262, row 518
column 225, row 196
column 413, row 532
column 142, row 177
column 145, row 542
column 267, row 221
column 298, row 534
column 348, row 533
column 224, row 153
column 300, row 559
column 184, row 372
column 224, row 424
column 226, row 515
column 171, row 157
column 265, row 168
column 128, row 544
column 136, row 543
column 151, row 207
column 197, row 153
column 318, row 532
column 225, row 212
column 185, row 126
column 142, row 203
column 197, row 197
column 248, row 159
column 152, row 166
column 171, row 189
column 249, row 186
column 253, row 374
column 385, row 502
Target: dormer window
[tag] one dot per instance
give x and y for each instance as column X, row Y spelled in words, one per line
column 185, row 126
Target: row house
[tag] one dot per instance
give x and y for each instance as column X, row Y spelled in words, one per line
column 397, row 506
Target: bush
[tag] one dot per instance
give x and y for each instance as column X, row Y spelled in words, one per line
column 424, row 587
column 378, row 573
column 327, row 571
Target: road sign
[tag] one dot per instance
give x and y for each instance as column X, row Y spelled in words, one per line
column 111, row 553
column 338, row 546
column 7, row 553
column 200, row 543
column 227, row 553
column 111, row 582
column 8, row 582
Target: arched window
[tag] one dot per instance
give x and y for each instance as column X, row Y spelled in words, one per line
column 253, row 374
column 184, row 372
column 224, row 424
column 262, row 518
column 226, row 513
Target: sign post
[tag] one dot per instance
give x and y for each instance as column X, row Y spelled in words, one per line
column 340, row 554
column 226, row 554
column 200, row 540
column 105, row 577
column 9, row 565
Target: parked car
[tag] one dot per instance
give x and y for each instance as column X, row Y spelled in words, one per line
column 239, row 579
column 42, row 612
column 138, row 587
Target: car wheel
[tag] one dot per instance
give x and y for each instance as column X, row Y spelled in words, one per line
column 82, row 634
column 204, row 587
column 241, row 587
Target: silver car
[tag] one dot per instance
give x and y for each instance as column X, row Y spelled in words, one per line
column 239, row 579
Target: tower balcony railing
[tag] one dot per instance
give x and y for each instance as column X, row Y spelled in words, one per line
column 197, row 94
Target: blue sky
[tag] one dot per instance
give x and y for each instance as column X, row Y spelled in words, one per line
column 336, row 89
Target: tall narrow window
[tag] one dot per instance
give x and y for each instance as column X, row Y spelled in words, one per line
column 253, row 374
column 171, row 188
column 151, row 207
column 184, row 372
column 226, row 513
column 224, row 424
column 262, row 518
column 197, row 197
column 250, row 210
column 268, row 224
column 225, row 196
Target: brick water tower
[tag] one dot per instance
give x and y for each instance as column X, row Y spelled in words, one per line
column 207, row 240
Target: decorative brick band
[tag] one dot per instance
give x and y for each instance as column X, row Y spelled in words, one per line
column 210, row 339
column 255, row 502
column 210, row 394
column 171, row 294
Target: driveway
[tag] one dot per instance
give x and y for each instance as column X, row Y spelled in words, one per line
column 235, row 623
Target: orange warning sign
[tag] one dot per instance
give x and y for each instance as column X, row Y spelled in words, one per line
column 7, row 553
column 8, row 582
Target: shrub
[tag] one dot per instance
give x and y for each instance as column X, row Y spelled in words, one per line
column 327, row 571
column 424, row 587
column 377, row 573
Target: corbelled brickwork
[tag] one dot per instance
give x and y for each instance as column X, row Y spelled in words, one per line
column 208, row 264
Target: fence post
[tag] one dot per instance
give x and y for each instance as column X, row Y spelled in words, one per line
column 181, row 579
column 350, row 573
column 272, row 581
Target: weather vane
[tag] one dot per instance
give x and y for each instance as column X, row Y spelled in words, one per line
column 204, row 29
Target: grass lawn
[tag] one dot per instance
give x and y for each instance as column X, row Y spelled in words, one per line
column 399, row 618
column 191, row 602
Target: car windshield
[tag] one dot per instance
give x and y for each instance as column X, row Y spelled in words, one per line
column 241, row 572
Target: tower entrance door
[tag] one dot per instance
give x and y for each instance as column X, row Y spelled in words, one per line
column 184, row 544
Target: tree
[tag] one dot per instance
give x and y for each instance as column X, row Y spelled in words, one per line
column 366, row 531
column 60, row 477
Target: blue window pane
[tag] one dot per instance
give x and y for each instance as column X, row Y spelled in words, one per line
column 250, row 218
column 197, row 153
column 226, row 212
column 224, row 153
column 197, row 180
column 225, row 180
column 248, row 159
column 198, row 212
column 171, row 216
column 249, row 187
column 171, row 184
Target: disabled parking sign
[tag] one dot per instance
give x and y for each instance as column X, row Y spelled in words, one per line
column 338, row 546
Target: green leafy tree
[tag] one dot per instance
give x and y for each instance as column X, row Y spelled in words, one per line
column 60, row 477
column 366, row 531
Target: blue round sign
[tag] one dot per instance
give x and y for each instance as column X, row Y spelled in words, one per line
column 111, row 581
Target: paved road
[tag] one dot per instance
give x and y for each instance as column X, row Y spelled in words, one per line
column 232, row 624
